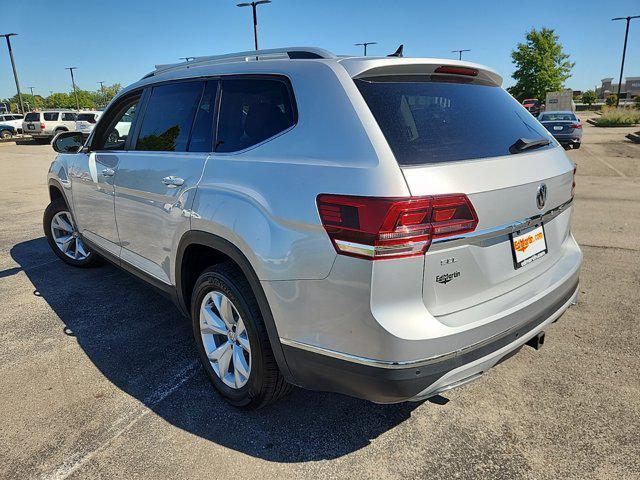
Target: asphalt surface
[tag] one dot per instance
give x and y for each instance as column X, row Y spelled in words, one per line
column 99, row 376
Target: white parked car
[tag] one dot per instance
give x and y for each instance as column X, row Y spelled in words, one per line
column 47, row 124
column 13, row 119
column 86, row 121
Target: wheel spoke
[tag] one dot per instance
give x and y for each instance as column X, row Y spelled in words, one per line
column 64, row 242
column 222, row 356
column 240, row 365
column 226, row 311
column 243, row 340
column 80, row 249
column 210, row 323
column 62, row 224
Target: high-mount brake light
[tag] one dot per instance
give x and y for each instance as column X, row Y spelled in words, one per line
column 377, row 228
column 452, row 70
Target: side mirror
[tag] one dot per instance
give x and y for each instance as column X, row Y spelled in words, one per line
column 68, row 142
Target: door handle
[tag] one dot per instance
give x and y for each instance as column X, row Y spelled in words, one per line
column 172, row 181
column 108, row 172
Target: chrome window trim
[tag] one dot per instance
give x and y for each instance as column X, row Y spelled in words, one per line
column 478, row 236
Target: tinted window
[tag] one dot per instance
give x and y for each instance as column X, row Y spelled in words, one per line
column 17, row 117
column 168, row 117
column 50, row 116
column 202, row 133
column 86, row 117
column 428, row 121
column 67, row 117
column 32, row 117
column 251, row 111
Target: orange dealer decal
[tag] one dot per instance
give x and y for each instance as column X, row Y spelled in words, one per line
column 523, row 243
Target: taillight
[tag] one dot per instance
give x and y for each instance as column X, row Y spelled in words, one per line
column 573, row 184
column 376, row 228
column 451, row 70
column 42, row 126
column 576, row 125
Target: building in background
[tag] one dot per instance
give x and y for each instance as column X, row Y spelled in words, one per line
column 630, row 88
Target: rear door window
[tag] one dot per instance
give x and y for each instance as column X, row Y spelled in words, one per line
column 202, row 132
column 168, row 117
column 50, row 116
column 429, row 121
column 69, row 117
column 253, row 110
column 32, row 117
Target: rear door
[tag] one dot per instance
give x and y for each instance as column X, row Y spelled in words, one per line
column 31, row 122
column 452, row 134
column 155, row 181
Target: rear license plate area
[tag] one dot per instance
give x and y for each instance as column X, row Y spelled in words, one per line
column 528, row 245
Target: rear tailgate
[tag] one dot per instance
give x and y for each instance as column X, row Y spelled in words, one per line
column 32, row 122
column 459, row 134
column 560, row 127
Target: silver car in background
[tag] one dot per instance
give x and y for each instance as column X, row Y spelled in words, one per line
column 348, row 224
column 564, row 126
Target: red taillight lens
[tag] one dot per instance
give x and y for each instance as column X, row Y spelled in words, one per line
column 451, row 70
column 576, row 125
column 42, row 127
column 375, row 228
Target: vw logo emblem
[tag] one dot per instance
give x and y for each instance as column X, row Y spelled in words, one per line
column 541, row 196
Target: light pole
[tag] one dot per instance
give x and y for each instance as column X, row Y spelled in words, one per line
column 13, row 65
column 73, row 82
column 460, row 52
column 624, row 51
column 364, row 44
column 35, row 104
column 253, row 6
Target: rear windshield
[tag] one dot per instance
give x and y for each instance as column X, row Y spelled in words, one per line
column 428, row 121
column 558, row 117
column 86, row 117
column 32, row 117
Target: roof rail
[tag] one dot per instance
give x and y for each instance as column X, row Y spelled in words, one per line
column 293, row 53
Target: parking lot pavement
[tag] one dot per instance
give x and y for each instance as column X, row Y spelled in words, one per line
column 99, row 378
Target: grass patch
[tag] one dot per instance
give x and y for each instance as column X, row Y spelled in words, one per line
column 618, row 117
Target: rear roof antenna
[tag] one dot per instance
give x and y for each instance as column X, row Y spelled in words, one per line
column 398, row 52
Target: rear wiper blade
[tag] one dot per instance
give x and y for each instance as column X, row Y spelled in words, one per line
column 523, row 144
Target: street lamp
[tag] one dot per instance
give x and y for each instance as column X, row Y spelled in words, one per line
column 364, row 44
column 13, row 65
column 73, row 82
column 35, row 104
column 460, row 52
column 624, row 51
column 253, row 6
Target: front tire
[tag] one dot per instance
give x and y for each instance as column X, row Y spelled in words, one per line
column 232, row 340
column 64, row 238
column 5, row 134
column 576, row 145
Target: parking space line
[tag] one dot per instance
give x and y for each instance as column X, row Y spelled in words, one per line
column 78, row 459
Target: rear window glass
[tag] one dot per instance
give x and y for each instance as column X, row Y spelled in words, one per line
column 50, row 116
column 86, row 117
column 32, row 117
column 558, row 117
column 428, row 121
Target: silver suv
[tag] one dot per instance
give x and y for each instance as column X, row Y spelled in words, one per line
column 387, row 228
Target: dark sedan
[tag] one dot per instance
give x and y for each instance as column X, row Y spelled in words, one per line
column 7, row 131
column 564, row 126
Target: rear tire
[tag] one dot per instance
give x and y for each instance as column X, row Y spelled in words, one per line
column 232, row 340
column 62, row 235
column 5, row 134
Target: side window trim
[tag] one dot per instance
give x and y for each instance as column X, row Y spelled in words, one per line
column 292, row 99
column 214, row 120
column 132, row 138
column 108, row 117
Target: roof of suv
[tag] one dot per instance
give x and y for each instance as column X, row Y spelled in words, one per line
column 354, row 65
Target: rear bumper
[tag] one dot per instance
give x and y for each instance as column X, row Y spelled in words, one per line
column 389, row 382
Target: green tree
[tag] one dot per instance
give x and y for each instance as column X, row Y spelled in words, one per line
column 589, row 97
column 541, row 65
column 611, row 100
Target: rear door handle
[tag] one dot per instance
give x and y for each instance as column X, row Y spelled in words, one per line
column 108, row 172
column 172, row 181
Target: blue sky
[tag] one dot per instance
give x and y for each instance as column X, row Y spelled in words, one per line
column 119, row 41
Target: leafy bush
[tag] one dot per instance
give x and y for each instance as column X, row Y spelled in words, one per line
column 611, row 100
column 589, row 97
column 636, row 101
column 618, row 117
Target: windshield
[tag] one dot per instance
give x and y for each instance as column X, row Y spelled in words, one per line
column 32, row 117
column 428, row 121
column 558, row 117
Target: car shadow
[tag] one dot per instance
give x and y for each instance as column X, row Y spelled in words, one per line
column 143, row 345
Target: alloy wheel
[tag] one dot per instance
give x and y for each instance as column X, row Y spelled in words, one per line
column 67, row 237
column 225, row 339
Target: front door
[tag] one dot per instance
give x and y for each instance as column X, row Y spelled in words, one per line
column 156, row 180
column 93, row 175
